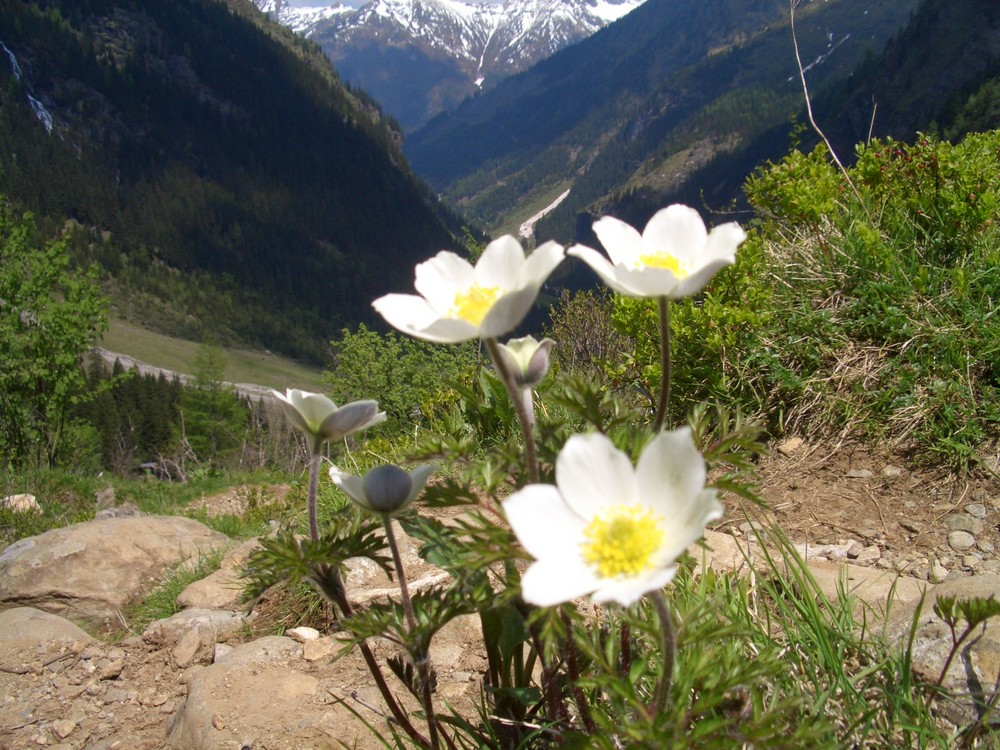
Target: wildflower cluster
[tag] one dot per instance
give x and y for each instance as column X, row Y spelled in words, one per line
column 601, row 526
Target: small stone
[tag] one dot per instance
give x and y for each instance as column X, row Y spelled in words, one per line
column 63, row 728
column 938, row 573
column 976, row 510
column 186, row 648
column 860, row 474
column 302, row 634
column 912, row 526
column 854, row 549
column 991, row 566
column 972, row 561
column 961, row 540
column 111, row 670
column 321, row 648
column 869, row 555
column 218, row 722
column 890, row 470
column 963, row 522
column 986, row 546
column 790, row 446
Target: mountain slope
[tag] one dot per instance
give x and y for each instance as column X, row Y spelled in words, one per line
column 222, row 174
column 420, row 57
column 653, row 95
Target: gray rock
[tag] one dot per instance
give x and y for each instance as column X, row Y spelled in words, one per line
column 976, row 510
column 961, row 540
column 964, row 522
column 890, row 470
column 860, row 474
column 89, row 571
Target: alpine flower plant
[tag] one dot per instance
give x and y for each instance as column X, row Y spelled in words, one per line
column 607, row 529
column 459, row 302
column 674, row 257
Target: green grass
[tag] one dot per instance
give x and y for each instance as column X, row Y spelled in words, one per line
column 161, row 602
column 242, row 365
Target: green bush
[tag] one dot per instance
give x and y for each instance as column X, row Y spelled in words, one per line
column 861, row 304
column 410, row 379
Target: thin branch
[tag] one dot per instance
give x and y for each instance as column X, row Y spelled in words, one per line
column 809, row 111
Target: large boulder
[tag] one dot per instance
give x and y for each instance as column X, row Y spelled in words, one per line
column 89, row 571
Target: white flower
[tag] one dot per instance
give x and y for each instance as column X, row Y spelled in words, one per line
column 527, row 359
column 607, row 529
column 674, row 257
column 320, row 418
column 385, row 489
column 459, row 302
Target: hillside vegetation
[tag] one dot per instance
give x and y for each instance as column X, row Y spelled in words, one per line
column 212, row 164
column 645, row 101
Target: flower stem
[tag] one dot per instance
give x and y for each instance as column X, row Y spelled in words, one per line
column 665, row 364
column 422, row 659
column 313, row 488
column 523, row 417
column 390, row 700
column 669, row 646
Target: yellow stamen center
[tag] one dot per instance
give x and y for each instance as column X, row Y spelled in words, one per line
column 473, row 304
column 621, row 541
column 663, row 259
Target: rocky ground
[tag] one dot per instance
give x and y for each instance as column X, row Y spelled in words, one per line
column 206, row 679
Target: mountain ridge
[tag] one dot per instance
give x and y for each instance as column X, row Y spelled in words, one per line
column 420, row 57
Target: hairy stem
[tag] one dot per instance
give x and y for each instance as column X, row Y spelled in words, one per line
column 314, row 462
column 422, row 660
column 525, row 420
column 390, row 700
column 668, row 643
column 665, row 364
column 573, row 668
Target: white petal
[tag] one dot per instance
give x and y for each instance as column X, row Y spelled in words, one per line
column 500, row 264
column 405, row 312
column 350, row 485
column 507, row 312
column 687, row 525
column 543, row 523
column 677, row 230
column 446, row 331
column 591, row 474
column 419, row 477
column 549, row 582
column 622, row 241
column 314, row 408
column 627, row 591
column 697, row 281
column 723, row 240
column 441, row 277
column 670, row 472
column 349, row 418
column 541, row 263
column 413, row 316
column 600, row 265
column 649, row 282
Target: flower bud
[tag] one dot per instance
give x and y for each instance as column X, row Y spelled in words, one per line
column 527, row 359
column 385, row 490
